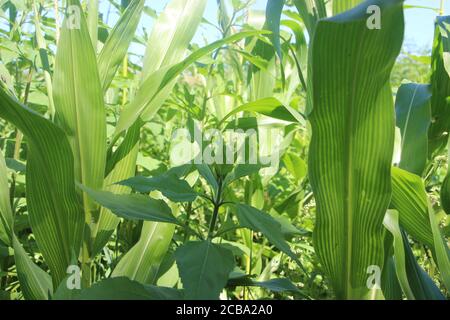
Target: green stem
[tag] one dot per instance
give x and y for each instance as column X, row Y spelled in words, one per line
column 217, row 204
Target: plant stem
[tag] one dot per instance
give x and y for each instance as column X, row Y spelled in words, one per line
column 217, row 204
column 441, row 8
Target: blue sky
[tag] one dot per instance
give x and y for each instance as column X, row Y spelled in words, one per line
column 418, row 33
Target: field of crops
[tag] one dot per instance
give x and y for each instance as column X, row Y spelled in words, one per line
column 295, row 151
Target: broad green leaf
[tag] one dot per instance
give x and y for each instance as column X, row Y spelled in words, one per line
column 6, row 215
column 414, row 281
column 78, row 97
column 409, row 199
column 344, row 5
column 256, row 220
column 35, row 283
column 120, row 288
column 57, row 221
column 116, row 46
column 418, row 218
column 270, row 107
column 175, row 189
column 352, row 140
column 133, row 206
column 420, row 282
column 413, row 117
column 204, row 268
column 143, row 261
column 440, row 86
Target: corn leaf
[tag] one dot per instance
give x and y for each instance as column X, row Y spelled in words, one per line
column 413, row 117
column 409, row 200
column 116, row 46
column 352, row 140
column 6, row 215
column 78, row 97
column 419, row 218
column 311, row 11
column 160, row 79
column 344, row 5
column 57, row 221
column 414, row 281
column 178, row 23
column 440, row 86
column 143, row 261
column 391, row 223
column 35, row 283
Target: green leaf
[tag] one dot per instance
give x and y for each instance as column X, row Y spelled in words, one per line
column 274, row 10
column 204, row 268
column 240, row 171
column 413, row 117
column 124, row 167
column 169, row 185
column 410, row 200
column 142, row 262
column 6, row 215
column 205, row 171
column 57, row 221
column 311, row 11
column 120, row 289
column 119, row 39
column 35, row 283
column 295, row 165
column 133, row 206
column 445, row 194
column 259, row 221
column 352, row 106
column 270, row 107
column 78, row 97
column 275, row 285
column 418, row 218
column 157, row 81
column 344, row 5
column 440, row 86
column 178, row 22
column 420, row 282
column 414, row 281
column 391, row 223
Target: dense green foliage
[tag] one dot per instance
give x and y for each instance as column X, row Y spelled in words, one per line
column 335, row 183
